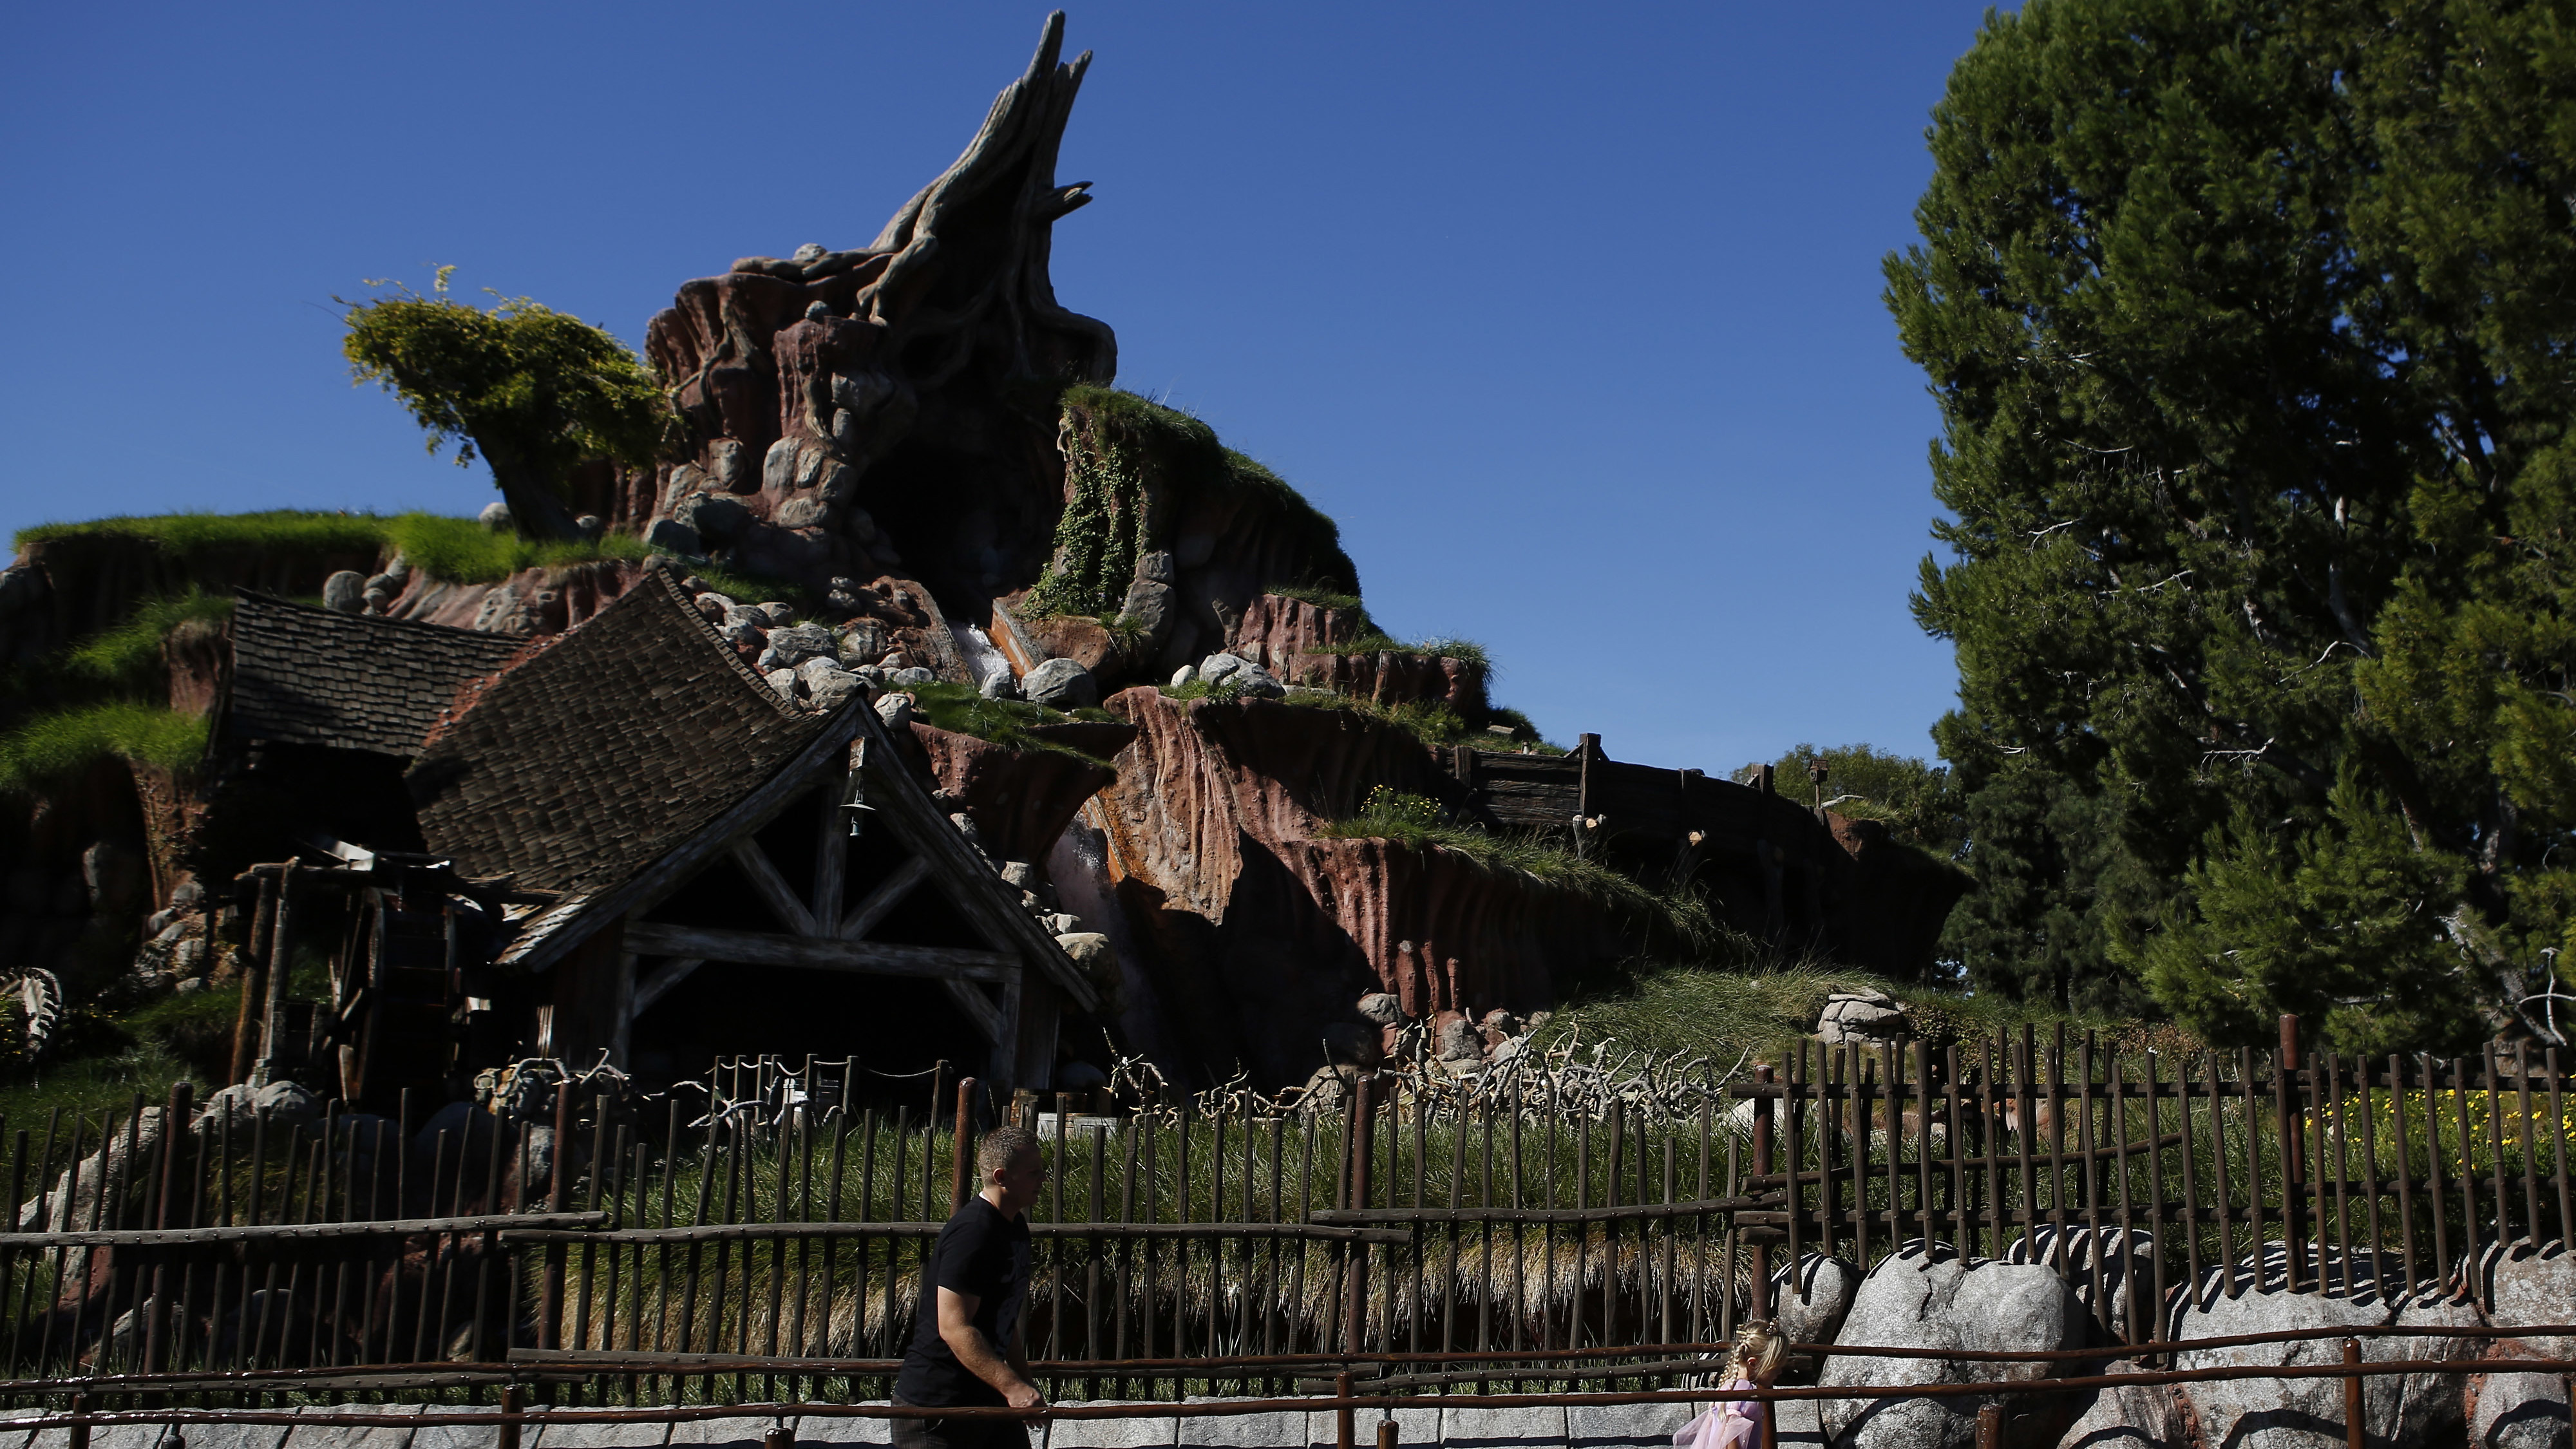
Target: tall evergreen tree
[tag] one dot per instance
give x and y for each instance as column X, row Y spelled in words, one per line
column 2253, row 327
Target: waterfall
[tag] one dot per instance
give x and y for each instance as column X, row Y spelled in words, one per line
column 1078, row 864
column 983, row 661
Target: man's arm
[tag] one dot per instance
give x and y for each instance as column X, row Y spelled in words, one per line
column 957, row 1329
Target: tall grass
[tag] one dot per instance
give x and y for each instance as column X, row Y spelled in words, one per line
column 60, row 745
column 127, row 655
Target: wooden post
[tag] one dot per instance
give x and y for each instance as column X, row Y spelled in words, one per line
column 2353, row 1437
column 254, row 981
column 77, row 1436
column 281, row 947
column 1355, row 1306
column 779, row 1437
column 156, row 1332
column 558, row 1190
column 1387, row 1433
column 962, row 1184
column 511, row 1403
column 1762, row 1112
column 1990, row 1427
column 2294, row 1157
column 1344, row 1431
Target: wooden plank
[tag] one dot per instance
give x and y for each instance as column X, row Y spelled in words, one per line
column 296, row 1232
column 773, row 889
column 873, row 958
column 889, row 893
column 970, row 1000
column 649, row 988
column 831, row 854
column 763, row 1232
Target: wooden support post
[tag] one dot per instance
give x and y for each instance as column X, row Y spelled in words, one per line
column 254, row 982
column 1355, row 1306
column 1345, row 1433
column 2293, row 1138
column 2353, row 1436
column 77, row 1435
column 156, row 1332
column 779, row 1437
column 512, row 1402
column 550, row 1312
column 962, row 1177
column 1762, row 1112
column 1990, row 1427
column 1388, row 1435
column 281, row 948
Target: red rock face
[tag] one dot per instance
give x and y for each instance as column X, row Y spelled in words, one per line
column 1304, row 644
column 1021, row 800
column 1262, row 933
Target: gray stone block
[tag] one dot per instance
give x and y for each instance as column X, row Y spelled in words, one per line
column 233, row 1436
column 1413, row 1427
column 844, row 1429
column 1801, row 1423
column 1147, row 1431
column 1282, row 1430
column 1626, row 1426
column 1503, row 1428
column 566, row 1436
column 396, row 1434
column 731, row 1433
column 2518, row 1411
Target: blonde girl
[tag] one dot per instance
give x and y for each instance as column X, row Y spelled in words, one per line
column 1753, row 1363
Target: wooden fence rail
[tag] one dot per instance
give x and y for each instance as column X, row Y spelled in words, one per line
column 772, row 1222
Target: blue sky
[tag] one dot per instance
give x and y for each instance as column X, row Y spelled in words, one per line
column 1570, row 316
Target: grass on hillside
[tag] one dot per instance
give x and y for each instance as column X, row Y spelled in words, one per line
column 460, row 550
column 959, row 709
column 60, row 745
column 1417, row 823
column 127, row 655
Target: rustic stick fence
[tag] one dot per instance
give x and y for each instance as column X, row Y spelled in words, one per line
column 769, row 1237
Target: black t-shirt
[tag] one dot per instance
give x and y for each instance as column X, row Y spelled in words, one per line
column 983, row 1254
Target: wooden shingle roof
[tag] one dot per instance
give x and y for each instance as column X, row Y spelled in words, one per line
column 309, row 676
column 596, row 754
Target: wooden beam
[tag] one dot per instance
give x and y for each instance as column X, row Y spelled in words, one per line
column 872, row 958
column 774, row 890
column 889, row 893
column 662, row 978
column 970, row 999
column 831, row 854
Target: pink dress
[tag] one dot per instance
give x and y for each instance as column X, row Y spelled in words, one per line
column 1736, row 1424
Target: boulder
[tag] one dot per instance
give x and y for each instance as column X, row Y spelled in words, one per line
column 1061, row 684
column 827, row 684
column 783, row 681
column 1383, row 1007
column 345, row 592
column 2264, row 1413
column 894, row 711
column 1859, row 1016
column 1930, row 1299
column 673, row 536
column 999, row 685
column 1185, row 676
column 1149, row 607
column 496, row 517
column 2128, row 1265
column 2509, row 1410
column 2127, row 1417
column 715, row 517
column 1810, row 1305
column 1457, row 1039
column 1216, row 669
column 69, row 1203
column 1258, row 683
column 915, row 674
column 791, row 646
column 863, row 642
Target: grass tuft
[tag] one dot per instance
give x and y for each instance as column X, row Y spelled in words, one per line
column 190, row 534
column 127, row 655
column 959, row 709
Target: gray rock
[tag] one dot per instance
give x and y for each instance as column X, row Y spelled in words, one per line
column 673, row 536
column 2528, row 1287
column 345, row 592
column 779, row 615
column 2282, row 1413
column 862, row 642
column 836, row 482
column 743, row 634
column 915, row 674
column 895, row 711
column 2128, row 1417
column 730, row 464
column 1061, row 684
column 827, row 684
column 2517, row 1411
column 58, row 1209
column 778, row 467
column 1090, row 951
column 792, row 646
column 496, row 517
column 1809, row 1306
column 1155, row 565
column 1917, row 1299
column 802, row 513
column 1859, row 1017
column 1382, row 1007
column 590, row 526
column 1019, row 875
column 192, row 986
column 1459, row 1040
column 715, row 517
column 782, row 680
column 745, row 614
column 2128, row 1263
column 1000, row 685
column 1258, row 683
column 1060, row 923
column 1149, row 606
column 809, row 253
column 1216, row 669
column 1185, row 676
